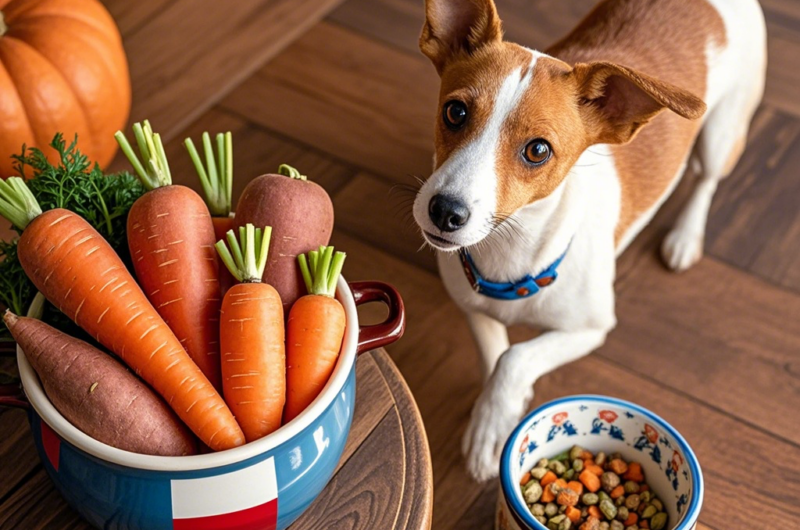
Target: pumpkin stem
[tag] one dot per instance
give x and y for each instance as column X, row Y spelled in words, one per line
column 3, row 27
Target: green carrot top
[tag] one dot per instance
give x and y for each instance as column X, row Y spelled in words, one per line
column 288, row 171
column 17, row 203
column 153, row 169
column 247, row 256
column 321, row 270
column 217, row 175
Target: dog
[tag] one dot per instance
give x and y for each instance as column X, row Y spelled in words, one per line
column 547, row 165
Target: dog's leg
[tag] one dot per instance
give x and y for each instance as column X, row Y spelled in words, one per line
column 491, row 337
column 510, row 388
column 719, row 146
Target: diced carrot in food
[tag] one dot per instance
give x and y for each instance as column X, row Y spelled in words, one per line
column 595, row 469
column 587, row 455
column 548, row 478
column 567, row 497
column 573, row 514
column 590, row 480
column 644, row 524
column 631, row 520
column 525, row 478
column 634, row 472
column 547, row 495
column 643, row 488
column 618, row 466
column 594, row 511
column 561, row 483
column 617, row 492
column 575, row 486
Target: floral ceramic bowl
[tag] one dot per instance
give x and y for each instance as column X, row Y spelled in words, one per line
column 599, row 423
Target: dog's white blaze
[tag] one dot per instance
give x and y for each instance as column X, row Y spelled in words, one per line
column 469, row 173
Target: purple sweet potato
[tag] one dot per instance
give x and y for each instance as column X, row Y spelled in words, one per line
column 300, row 213
column 97, row 394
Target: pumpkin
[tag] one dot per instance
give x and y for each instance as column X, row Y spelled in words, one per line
column 62, row 69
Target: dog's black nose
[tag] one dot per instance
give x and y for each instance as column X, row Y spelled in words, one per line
column 447, row 213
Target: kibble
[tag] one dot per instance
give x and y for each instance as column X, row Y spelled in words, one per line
column 608, row 502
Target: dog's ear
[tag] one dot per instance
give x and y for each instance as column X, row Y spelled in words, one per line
column 456, row 26
column 617, row 101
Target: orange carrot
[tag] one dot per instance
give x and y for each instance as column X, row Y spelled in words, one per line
column 79, row 272
column 525, row 478
column 590, row 480
column 617, row 492
column 594, row 469
column 595, row 512
column 631, row 520
column 171, row 239
column 315, row 329
column 575, row 486
column 216, row 178
column 573, row 514
column 548, row 478
column 252, row 336
column 634, row 472
column 547, row 495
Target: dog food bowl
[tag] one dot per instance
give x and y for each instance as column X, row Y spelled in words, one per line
column 262, row 485
column 599, row 423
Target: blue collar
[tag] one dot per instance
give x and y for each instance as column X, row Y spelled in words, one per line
column 527, row 286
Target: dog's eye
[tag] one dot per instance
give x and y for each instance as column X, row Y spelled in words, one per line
column 537, row 151
column 455, row 114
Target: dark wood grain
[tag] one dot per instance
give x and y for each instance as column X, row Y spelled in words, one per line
column 130, row 16
column 350, row 96
column 192, row 52
column 17, row 454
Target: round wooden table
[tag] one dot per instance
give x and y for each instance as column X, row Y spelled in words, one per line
column 383, row 482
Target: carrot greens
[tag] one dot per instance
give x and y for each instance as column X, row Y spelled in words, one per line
column 216, row 176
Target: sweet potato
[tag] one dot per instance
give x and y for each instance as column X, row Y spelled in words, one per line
column 300, row 213
column 97, row 394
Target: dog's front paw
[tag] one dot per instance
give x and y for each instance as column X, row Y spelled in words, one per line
column 493, row 419
column 681, row 249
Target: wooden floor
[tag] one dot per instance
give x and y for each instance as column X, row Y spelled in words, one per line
column 338, row 89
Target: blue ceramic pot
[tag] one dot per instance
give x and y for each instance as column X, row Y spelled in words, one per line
column 262, row 485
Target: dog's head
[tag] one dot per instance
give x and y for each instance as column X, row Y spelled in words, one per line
column 512, row 121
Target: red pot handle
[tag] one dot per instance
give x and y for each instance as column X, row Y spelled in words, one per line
column 377, row 335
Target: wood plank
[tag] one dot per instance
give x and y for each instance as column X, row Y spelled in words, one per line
column 416, row 508
column 391, row 225
column 39, row 506
column 193, row 52
column 17, row 453
column 367, row 493
column 130, row 16
column 374, row 401
column 349, row 96
column 256, row 151
column 755, row 218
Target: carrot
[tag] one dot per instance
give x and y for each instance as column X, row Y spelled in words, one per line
column 78, row 271
column 567, row 497
column 548, row 478
column 315, row 329
column 590, row 480
column 618, row 466
column 525, row 478
column 547, row 495
column 216, row 178
column 594, row 469
column 631, row 520
column 575, row 486
column 634, row 472
column 252, row 336
column 595, row 512
column 171, row 239
column 617, row 492
column 573, row 514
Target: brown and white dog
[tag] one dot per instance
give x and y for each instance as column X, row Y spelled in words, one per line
column 574, row 148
